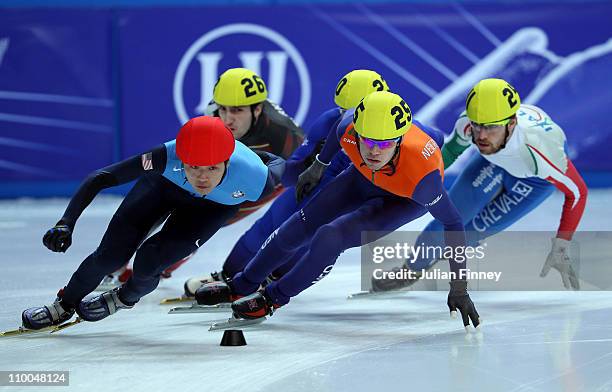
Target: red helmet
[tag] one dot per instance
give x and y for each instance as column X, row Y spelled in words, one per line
column 204, row 141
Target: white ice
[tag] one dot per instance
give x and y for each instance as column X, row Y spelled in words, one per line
column 546, row 341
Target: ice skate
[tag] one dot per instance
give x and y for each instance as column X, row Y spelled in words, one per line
column 254, row 306
column 215, row 293
column 46, row 316
column 196, row 308
column 234, row 323
column 101, row 306
column 193, row 284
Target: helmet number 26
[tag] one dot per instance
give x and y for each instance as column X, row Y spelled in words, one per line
column 399, row 111
column 250, row 85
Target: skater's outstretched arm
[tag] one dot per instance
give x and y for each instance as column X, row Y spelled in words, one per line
column 58, row 238
column 430, row 192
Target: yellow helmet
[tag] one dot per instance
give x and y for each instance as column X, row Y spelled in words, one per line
column 357, row 84
column 492, row 102
column 239, row 87
column 382, row 115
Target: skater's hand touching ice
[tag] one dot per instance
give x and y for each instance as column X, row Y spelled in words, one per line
column 458, row 298
column 58, row 238
column 559, row 259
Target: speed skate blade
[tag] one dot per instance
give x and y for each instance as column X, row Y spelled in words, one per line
column 102, row 287
column 175, row 300
column 377, row 294
column 66, row 325
column 234, row 323
column 22, row 331
column 195, row 308
column 52, row 329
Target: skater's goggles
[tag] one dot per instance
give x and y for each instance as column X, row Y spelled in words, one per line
column 382, row 144
column 489, row 128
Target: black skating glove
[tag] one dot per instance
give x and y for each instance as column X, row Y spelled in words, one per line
column 458, row 298
column 309, row 179
column 58, row 238
column 311, row 158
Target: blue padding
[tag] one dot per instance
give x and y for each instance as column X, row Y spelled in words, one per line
column 12, row 190
column 44, row 189
column 179, row 3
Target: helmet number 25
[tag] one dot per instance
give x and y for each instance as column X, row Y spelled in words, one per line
column 250, row 85
column 399, row 111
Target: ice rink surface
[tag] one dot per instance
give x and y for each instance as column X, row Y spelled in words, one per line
column 544, row 341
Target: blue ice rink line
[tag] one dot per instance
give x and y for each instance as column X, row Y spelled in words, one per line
column 407, row 42
column 375, row 53
column 68, row 99
column 478, row 25
column 20, row 168
column 5, row 141
column 449, row 39
column 55, row 122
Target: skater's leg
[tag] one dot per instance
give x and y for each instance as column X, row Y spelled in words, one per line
column 187, row 228
column 338, row 197
column 128, row 227
column 381, row 215
column 250, row 242
column 482, row 215
column 248, row 245
column 519, row 196
column 477, row 184
column 138, row 212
